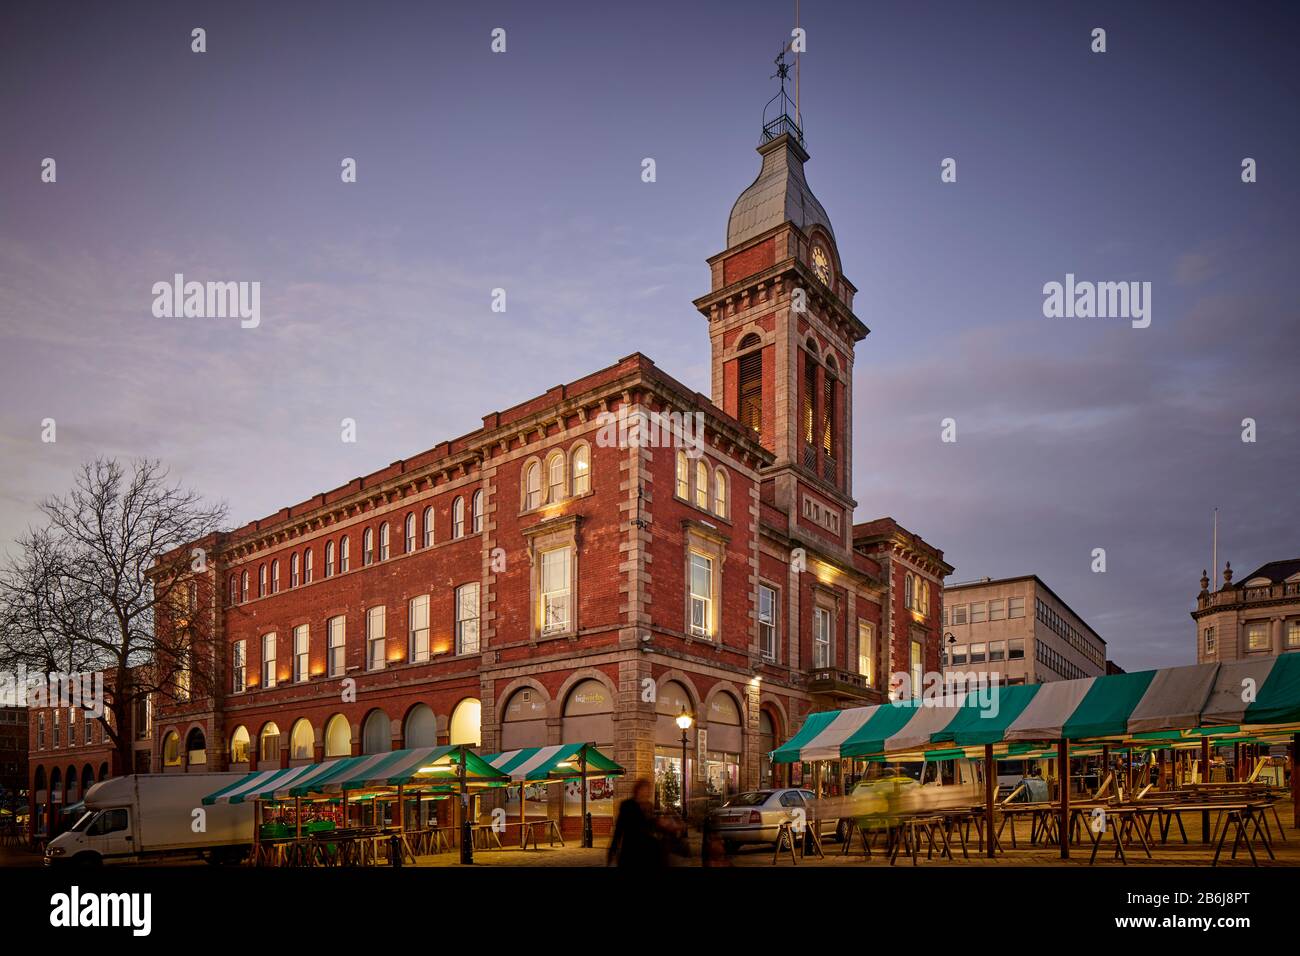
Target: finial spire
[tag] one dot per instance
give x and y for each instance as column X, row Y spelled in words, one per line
column 781, row 107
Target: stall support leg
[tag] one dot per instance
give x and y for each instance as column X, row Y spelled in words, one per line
column 990, row 784
column 1295, row 780
column 1205, row 778
column 586, row 821
column 1063, row 777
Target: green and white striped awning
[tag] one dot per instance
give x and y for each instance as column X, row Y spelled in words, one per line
column 559, row 762
column 424, row 767
column 1243, row 698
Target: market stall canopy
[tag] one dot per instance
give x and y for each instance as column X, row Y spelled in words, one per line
column 1246, row 698
column 559, row 762
column 431, row 767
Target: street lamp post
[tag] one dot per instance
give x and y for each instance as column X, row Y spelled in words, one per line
column 684, row 721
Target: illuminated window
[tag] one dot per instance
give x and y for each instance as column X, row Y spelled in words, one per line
column 701, row 596
column 240, row 745
column 555, row 478
column 701, row 484
column 532, row 486
column 554, row 610
column 867, row 652
column 581, row 470
column 302, row 741
column 683, row 477
column 720, row 493
column 1257, row 638
column 172, row 749
column 269, row 745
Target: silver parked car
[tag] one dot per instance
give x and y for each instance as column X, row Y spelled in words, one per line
column 756, row 816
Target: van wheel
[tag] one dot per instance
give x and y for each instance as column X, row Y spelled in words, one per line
column 88, row 860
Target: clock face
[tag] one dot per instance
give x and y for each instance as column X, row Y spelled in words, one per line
column 821, row 263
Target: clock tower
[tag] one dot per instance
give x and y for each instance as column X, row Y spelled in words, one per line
column 782, row 330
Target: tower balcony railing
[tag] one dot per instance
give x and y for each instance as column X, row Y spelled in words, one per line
column 828, row 468
column 782, row 124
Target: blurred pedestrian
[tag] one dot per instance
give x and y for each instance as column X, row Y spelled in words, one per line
column 636, row 841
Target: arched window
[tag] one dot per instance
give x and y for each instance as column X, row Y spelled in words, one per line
column 268, row 746
column 240, row 745
column 409, row 533
column 466, row 723
column 293, row 570
column 683, row 477
column 421, row 727
column 383, row 542
column 302, row 741
column 524, row 720
column 581, row 469
column 172, row 749
column 345, row 551
column 377, row 735
column 243, row 586
column 275, row 576
column 338, row 737
column 196, row 748
column 532, row 486
column 555, row 478
column 476, row 512
column 261, row 581
column 367, row 546
column 306, row 567
column 720, row 493
column 907, row 591
column 329, row 559
column 234, row 589
column 428, row 526
column 701, row 484
column 458, row 517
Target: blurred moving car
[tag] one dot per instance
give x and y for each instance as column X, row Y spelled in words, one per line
column 756, row 816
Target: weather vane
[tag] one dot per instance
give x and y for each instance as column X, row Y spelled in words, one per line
column 784, row 121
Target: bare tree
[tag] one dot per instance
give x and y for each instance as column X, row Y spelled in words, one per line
column 110, row 585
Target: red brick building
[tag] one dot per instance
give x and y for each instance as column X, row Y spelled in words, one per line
column 68, row 749
column 549, row 578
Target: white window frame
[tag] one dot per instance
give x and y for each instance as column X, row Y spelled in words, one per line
column 269, row 677
column 238, row 667
column 301, row 653
column 336, row 661
column 418, row 628
column 823, row 649
column 555, row 605
column 376, row 638
column 468, row 637
column 701, row 605
column 769, row 624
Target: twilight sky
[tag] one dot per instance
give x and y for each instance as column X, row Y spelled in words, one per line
column 522, row 170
